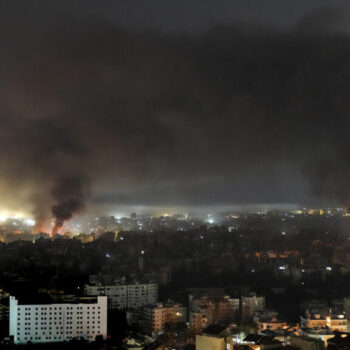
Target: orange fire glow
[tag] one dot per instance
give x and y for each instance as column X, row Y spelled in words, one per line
column 40, row 227
column 55, row 230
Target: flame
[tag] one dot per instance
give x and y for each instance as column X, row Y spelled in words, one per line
column 56, row 229
column 40, row 227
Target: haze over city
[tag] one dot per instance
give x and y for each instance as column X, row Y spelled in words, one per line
column 175, row 174
column 115, row 105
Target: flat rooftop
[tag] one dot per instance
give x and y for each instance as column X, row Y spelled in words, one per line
column 46, row 300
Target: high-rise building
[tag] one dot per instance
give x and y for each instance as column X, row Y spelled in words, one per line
column 57, row 322
column 126, row 296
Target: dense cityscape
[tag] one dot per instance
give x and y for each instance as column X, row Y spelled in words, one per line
column 282, row 276
column 174, row 175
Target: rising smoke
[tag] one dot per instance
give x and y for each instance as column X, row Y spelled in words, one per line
column 235, row 114
column 69, row 195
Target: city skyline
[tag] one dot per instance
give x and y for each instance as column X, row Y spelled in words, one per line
column 100, row 113
column 174, row 174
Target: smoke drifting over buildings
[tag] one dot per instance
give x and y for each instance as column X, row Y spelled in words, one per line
column 69, row 195
column 231, row 114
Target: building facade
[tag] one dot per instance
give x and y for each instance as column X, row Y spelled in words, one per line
column 214, row 338
column 333, row 322
column 156, row 317
column 318, row 314
column 126, row 296
column 57, row 322
column 207, row 310
column 250, row 304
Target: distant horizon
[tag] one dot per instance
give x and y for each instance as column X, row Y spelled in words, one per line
column 198, row 210
column 213, row 209
column 236, row 105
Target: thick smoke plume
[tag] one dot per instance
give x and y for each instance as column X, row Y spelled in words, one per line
column 231, row 115
column 69, row 195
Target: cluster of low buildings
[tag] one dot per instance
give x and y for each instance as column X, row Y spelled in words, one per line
column 220, row 338
column 214, row 307
column 66, row 317
column 213, row 316
column 322, row 325
column 158, row 259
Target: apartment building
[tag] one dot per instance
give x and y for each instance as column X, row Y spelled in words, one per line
column 57, row 322
column 156, row 317
column 125, row 296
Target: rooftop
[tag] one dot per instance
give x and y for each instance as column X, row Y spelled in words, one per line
column 214, row 330
column 43, row 300
column 260, row 339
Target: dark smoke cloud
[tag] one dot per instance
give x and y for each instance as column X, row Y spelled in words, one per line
column 69, row 195
column 235, row 114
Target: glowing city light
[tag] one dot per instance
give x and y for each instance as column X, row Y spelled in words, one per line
column 29, row 222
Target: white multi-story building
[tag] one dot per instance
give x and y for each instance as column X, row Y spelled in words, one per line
column 126, row 296
column 43, row 323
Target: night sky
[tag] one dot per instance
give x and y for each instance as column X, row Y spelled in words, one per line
column 187, row 103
